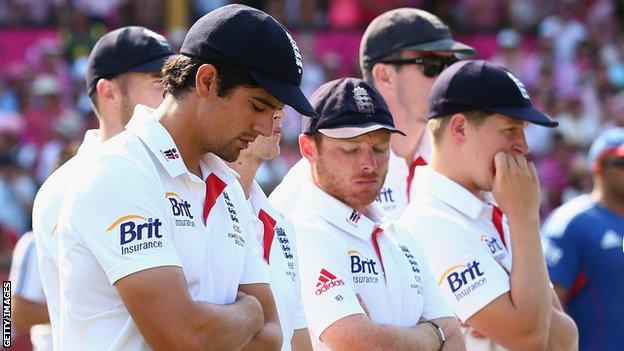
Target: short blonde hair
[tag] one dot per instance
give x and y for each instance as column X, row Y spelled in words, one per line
column 438, row 125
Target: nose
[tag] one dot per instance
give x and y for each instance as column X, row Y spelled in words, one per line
column 520, row 145
column 368, row 163
column 264, row 124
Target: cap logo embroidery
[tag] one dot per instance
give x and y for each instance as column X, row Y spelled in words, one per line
column 363, row 101
column 520, row 86
column 159, row 38
column 298, row 58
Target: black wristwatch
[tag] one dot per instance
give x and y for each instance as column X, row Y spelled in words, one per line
column 438, row 331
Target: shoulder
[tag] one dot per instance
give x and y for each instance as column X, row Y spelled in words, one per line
column 573, row 215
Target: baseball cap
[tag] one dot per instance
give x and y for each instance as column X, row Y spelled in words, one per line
column 346, row 108
column 126, row 49
column 481, row 85
column 611, row 142
column 406, row 29
column 255, row 41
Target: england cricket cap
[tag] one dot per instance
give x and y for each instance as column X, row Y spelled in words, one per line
column 611, row 142
column 406, row 29
column 480, row 85
column 347, row 108
column 241, row 35
column 127, row 49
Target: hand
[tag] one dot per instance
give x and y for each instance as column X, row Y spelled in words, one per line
column 361, row 301
column 516, row 186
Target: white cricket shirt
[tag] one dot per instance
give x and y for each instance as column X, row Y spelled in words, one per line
column 276, row 236
column 45, row 214
column 469, row 258
column 136, row 207
column 339, row 259
column 26, row 283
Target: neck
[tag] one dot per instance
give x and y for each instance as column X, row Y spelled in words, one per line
column 178, row 121
column 447, row 167
column 246, row 167
column 609, row 200
column 110, row 125
column 406, row 146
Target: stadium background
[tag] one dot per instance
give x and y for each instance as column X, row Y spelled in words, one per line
column 569, row 54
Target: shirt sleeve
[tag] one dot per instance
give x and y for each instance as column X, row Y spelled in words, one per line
column 434, row 304
column 118, row 213
column 563, row 251
column 25, row 271
column 327, row 292
column 256, row 270
column 465, row 272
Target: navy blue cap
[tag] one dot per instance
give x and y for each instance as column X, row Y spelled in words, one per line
column 126, row 49
column 250, row 38
column 346, row 108
column 480, row 85
column 406, row 29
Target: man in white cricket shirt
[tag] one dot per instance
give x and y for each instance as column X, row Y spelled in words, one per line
column 123, row 70
column 156, row 245
column 276, row 236
column 477, row 115
column 401, row 53
column 364, row 282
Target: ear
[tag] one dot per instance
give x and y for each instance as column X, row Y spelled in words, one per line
column 106, row 91
column 458, row 127
column 384, row 76
column 205, row 79
column 307, row 147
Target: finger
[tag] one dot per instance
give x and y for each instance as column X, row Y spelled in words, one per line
column 500, row 162
column 522, row 162
column 532, row 170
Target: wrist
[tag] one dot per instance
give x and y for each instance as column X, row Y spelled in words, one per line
column 438, row 332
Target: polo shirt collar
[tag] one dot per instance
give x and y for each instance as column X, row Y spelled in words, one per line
column 338, row 213
column 157, row 139
column 211, row 163
column 89, row 142
column 448, row 191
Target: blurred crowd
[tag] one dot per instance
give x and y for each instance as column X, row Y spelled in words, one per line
column 569, row 54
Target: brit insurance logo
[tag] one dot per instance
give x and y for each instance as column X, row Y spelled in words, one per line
column 137, row 233
column 496, row 249
column 364, row 270
column 326, row 281
column 463, row 279
column 181, row 210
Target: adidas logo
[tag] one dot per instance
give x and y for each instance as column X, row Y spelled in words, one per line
column 171, row 154
column 327, row 281
column 610, row 240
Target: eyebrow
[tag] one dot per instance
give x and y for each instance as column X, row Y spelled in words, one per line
column 266, row 102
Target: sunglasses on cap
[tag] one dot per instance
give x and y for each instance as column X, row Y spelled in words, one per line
column 432, row 66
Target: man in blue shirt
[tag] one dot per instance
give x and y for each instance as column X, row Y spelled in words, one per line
column 583, row 249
